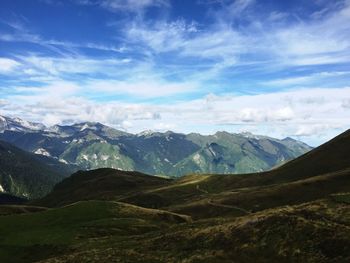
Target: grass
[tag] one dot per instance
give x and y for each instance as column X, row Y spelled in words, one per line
column 19, row 209
column 311, row 232
column 342, row 197
column 100, row 184
column 24, row 237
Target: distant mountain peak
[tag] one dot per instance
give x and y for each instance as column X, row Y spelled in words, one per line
column 222, row 132
column 17, row 124
column 289, row 139
column 250, row 135
column 87, row 126
column 146, row 133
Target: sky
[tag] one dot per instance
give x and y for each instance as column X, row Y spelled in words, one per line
column 271, row 67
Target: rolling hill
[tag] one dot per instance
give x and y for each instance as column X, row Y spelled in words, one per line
column 47, row 233
column 100, row 184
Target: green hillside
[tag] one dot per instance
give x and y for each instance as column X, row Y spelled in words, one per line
column 28, row 175
column 34, row 236
column 100, row 184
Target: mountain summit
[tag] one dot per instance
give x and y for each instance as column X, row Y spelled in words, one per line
column 17, row 124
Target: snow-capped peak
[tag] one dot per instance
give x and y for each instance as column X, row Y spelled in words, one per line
column 42, row 151
column 88, row 125
column 146, row 133
column 85, row 126
column 17, row 124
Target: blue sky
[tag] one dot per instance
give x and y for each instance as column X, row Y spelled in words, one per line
column 279, row 68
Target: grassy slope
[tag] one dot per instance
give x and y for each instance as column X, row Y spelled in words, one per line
column 34, row 236
column 243, row 201
column 9, row 209
column 100, row 184
column 312, row 232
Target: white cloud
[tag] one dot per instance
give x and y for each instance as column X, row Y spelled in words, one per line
column 263, row 38
column 238, row 6
column 8, row 65
column 221, row 45
column 322, row 41
column 161, row 36
column 269, row 115
column 277, row 16
column 63, row 48
column 316, row 77
column 3, row 103
column 67, row 109
column 346, row 103
column 311, row 130
column 117, row 77
column 71, row 65
column 313, row 115
column 132, row 5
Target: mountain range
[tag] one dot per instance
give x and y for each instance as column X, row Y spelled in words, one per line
column 93, row 145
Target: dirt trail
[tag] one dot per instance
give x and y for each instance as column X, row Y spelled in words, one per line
column 197, row 180
column 210, row 202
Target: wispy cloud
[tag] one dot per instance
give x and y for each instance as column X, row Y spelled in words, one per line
column 72, row 64
column 8, row 65
column 288, row 44
column 21, row 33
column 311, row 79
column 133, row 6
column 111, row 77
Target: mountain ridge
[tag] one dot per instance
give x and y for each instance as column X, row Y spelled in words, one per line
column 92, row 145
